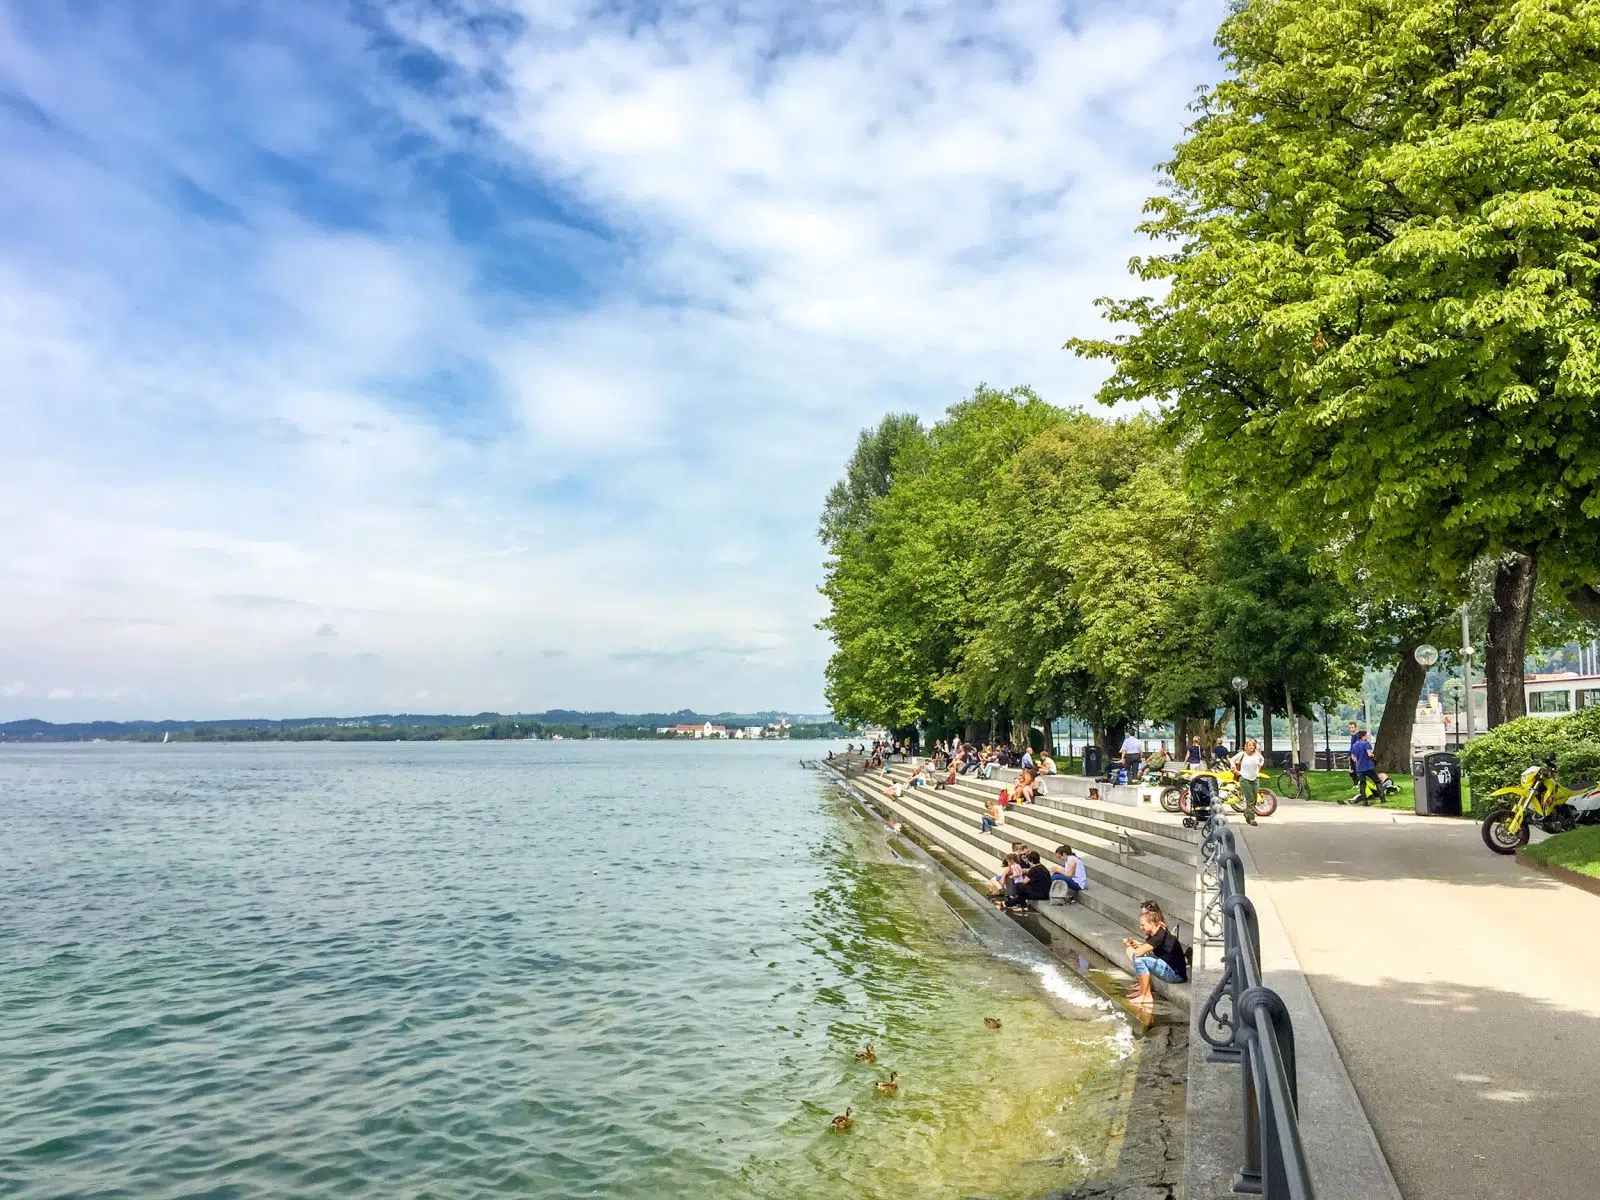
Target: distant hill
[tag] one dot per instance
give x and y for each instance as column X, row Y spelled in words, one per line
column 569, row 722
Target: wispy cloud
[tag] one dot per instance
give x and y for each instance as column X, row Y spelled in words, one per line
column 515, row 344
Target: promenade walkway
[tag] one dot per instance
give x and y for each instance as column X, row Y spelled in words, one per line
column 1461, row 989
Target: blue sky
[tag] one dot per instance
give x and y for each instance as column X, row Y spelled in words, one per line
column 447, row 355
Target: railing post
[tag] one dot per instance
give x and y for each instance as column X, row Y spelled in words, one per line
column 1260, row 1036
column 1248, row 1177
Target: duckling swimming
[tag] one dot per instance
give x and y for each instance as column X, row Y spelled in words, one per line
column 890, row 1085
column 842, row 1124
column 992, row 1022
column 869, row 1055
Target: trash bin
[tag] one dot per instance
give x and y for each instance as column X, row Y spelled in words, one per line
column 1436, row 784
column 1094, row 762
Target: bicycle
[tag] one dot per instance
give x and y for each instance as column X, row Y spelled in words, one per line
column 1295, row 782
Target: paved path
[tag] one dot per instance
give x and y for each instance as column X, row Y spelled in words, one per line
column 1462, row 990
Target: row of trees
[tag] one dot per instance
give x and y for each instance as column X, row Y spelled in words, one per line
column 1017, row 562
column 1374, row 363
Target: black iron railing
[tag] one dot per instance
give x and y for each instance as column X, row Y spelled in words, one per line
column 1247, row 1024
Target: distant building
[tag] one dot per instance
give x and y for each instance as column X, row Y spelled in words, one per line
column 708, row 730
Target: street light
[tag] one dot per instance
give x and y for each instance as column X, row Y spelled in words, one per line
column 1239, row 684
column 1466, row 673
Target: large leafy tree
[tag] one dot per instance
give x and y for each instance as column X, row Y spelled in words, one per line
column 1378, row 316
column 867, row 477
column 1271, row 618
column 901, row 581
column 1088, row 564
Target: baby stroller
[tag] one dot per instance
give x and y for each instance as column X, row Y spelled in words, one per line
column 1202, row 800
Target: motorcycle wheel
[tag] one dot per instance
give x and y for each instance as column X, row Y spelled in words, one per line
column 1172, row 798
column 1266, row 803
column 1183, row 803
column 1497, row 834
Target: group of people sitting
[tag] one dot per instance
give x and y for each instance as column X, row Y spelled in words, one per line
column 968, row 758
column 1024, row 877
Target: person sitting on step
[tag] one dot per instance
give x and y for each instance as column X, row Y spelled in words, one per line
column 997, row 884
column 940, row 784
column 1032, row 884
column 1159, row 953
column 1022, row 790
column 1071, row 872
column 990, row 818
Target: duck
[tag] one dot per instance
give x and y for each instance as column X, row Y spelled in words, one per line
column 869, row 1055
column 842, row 1124
column 890, row 1085
column 992, row 1022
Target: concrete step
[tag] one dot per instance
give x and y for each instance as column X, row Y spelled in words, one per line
column 1181, row 857
column 1111, row 892
column 1107, row 822
column 1045, row 830
column 1088, row 921
column 1130, row 878
column 1065, row 789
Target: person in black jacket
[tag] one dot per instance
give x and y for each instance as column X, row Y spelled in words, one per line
column 1033, row 884
column 1159, row 954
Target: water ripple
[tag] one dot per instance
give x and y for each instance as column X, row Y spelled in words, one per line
column 465, row 971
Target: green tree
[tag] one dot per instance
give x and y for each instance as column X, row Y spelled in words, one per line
column 901, row 584
column 1378, row 315
column 1271, row 618
column 867, row 477
column 1089, row 566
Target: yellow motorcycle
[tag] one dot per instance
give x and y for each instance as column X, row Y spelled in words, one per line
column 1175, row 797
column 1537, row 799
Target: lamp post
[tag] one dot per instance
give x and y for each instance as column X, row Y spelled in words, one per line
column 1466, row 674
column 1239, row 684
column 1426, row 656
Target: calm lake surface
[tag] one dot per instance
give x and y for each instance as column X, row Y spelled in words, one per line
column 509, row 969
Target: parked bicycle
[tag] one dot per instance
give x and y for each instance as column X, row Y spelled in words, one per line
column 1296, row 782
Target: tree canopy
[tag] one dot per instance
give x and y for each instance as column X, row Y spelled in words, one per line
column 1379, row 316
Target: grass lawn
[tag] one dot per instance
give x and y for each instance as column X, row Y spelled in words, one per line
column 1577, row 851
column 1333, row 786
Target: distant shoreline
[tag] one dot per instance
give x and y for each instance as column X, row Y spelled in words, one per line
column 562, row 725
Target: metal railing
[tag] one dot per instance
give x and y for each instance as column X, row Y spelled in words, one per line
column 1247, row 1024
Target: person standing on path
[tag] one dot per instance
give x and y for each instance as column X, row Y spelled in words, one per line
column 1194, row 757
column 1247, row 766
column 1365, row 769
column 1132, row 751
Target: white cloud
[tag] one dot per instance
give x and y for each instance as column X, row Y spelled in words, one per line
column 599, row 492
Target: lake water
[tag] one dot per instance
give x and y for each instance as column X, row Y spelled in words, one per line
column 509, row 969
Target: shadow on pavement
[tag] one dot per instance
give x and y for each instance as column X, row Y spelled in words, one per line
column 1473, row 1091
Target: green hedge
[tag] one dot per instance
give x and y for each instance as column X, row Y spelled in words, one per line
column 1499, row 757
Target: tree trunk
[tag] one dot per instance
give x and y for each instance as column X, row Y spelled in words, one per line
column 1294, row 728
column 1392, row 754
column 1505, row 648
column 1306, row 740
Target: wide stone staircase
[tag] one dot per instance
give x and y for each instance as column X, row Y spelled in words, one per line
column 1131, row 855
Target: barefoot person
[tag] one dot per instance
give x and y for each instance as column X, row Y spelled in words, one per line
column 1158, row 954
